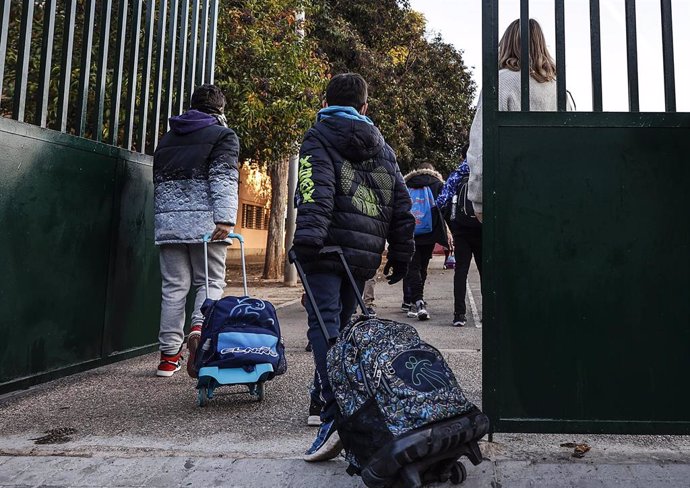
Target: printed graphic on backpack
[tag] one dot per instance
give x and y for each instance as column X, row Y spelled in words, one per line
column 422, row 203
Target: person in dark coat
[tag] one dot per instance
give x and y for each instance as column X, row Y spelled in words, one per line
column 350, row 194
column 413, row 284
column 195, row 178
column 467, row 239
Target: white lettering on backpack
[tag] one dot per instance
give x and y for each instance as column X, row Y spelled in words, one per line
column 262, row 351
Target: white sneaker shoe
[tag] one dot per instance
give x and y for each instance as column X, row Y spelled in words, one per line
column 422, row 314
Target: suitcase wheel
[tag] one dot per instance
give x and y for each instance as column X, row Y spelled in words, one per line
column 204, row 395
column 458, row 473
column 258, row 390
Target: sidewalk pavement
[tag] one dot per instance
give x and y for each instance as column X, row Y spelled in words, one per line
column 120, row 425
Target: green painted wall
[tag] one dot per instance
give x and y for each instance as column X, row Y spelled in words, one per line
column 587, row 291
column 78, row 268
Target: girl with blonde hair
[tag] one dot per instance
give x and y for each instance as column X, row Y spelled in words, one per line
column 542, row 93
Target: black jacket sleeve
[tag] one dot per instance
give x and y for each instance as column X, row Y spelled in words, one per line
column 314, row 194
column 401, row 230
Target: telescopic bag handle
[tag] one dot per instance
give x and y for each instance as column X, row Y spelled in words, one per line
column 310, row 295
column 207, row 239
column 339, row 251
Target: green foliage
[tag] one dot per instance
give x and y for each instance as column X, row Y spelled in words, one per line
column 420, row 92
column 271, row 78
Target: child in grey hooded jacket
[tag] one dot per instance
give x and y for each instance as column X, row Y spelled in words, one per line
column 195, row 177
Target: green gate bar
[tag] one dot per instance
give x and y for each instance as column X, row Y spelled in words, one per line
column 133, row 71
column 46, row 64
column 23, row 55
column 104, row 44
column 85, row 71
column 631, row 44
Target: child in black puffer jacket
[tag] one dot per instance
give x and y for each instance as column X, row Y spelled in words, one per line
column 350, row 194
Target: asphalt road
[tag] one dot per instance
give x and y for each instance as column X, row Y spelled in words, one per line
column 128, row 427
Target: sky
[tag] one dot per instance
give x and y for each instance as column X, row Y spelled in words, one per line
column 460, row 23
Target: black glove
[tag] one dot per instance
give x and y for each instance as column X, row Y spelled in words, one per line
column 306, row 254
column 399, row 269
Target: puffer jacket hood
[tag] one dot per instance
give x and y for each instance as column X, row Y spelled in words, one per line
column 191, row 121
column 351, row 194
column 356, row 140
column 423, row 177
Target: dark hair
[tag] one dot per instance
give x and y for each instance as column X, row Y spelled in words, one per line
column 209, row 99
column 464, row 151
column 348, row 90
column 426, row 166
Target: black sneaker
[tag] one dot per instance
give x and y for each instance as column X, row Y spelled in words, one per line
column 314, row 419
column 327, row 444
column 405, row 307
column 422, row 314
column 459, row 320
column 371, row 311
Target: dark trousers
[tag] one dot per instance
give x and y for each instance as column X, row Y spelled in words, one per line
column 336, row 300
column 467, row 242
column 413, row 283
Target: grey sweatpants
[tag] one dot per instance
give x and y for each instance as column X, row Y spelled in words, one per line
column 182, row 266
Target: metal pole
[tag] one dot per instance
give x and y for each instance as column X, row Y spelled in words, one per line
column 290, row 275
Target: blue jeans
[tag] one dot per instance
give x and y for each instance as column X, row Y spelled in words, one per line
column 337, row 302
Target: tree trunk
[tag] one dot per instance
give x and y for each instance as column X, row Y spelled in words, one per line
column 274, row 265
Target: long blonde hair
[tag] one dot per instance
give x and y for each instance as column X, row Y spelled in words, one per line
column 542, row 66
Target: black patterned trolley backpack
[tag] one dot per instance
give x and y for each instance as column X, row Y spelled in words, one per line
column 404, row 420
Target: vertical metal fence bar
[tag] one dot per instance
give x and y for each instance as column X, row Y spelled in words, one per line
column 182, row 56
column 524, row 55
column 191, row 71
column 66, row 63
column 133, row 72
column 211, row 51
column 667, row 43
column 116, row 96
column 489, row 100
column 172, row 39
column 203, row 47
column 102, row 68
column 23, row 58
column 4, row 27
column 631, row 41
column 46, row 63
column 160, row 64
column 146, row 75
column 595, row 39
column 560, row 55
column 85, row 71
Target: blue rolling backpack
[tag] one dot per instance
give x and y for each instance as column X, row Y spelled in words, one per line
column 240, row 341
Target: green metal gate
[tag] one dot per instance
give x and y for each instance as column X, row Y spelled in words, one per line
column 587, row 245
column 79, row 275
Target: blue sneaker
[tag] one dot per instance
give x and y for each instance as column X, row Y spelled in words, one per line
column 327, row 444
